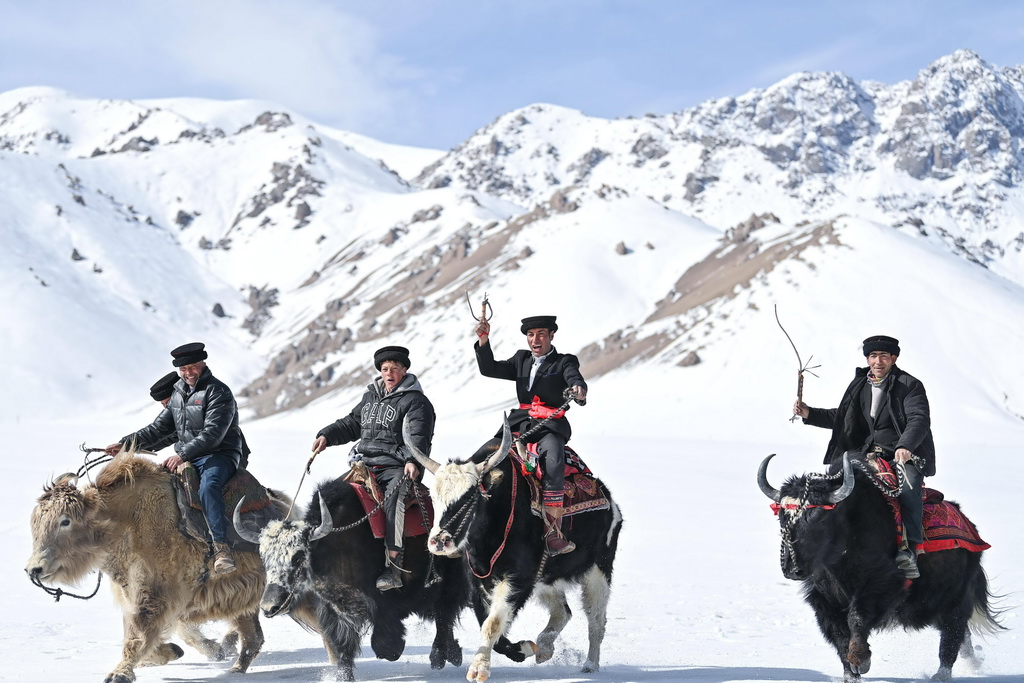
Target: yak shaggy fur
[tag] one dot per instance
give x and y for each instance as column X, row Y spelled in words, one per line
column 126, row 526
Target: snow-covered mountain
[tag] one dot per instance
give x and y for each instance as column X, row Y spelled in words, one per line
column 662, row 243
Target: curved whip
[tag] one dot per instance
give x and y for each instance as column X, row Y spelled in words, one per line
column 801, row 366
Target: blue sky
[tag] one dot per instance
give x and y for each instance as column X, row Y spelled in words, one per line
column 429, row 73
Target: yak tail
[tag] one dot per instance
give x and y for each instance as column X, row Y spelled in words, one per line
column 985, row 619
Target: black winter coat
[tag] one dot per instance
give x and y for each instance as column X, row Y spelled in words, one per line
column 203, row 422
column 558, row 372
column 904, row 407
column 377, row 422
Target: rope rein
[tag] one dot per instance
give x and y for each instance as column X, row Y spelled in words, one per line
column 58, row 593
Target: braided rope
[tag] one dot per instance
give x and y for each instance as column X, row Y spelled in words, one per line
column 58, row 593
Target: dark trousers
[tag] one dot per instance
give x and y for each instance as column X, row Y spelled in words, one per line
column 913, row 506
column 214, row 471
column 394, row 487
column 551, row 449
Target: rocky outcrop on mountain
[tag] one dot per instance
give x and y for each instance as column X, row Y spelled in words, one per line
column 942, row 148
column 658, row 233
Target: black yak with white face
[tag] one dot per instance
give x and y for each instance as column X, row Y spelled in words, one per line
column 483, row 512
column 326, row 580
column 839, row 539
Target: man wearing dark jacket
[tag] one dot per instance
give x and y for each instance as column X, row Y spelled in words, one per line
column 885, row 411
column 202, row 417
column 393, row 399
column 542, row 376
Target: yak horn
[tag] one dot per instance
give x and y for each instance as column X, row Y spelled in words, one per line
column 245, row 532
column 326, row 522
column 502, row 450
column 421, row 457
column 848, row 482
column 66, row 479
column 762, row 480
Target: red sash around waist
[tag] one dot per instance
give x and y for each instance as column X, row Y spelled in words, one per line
column 539, row 411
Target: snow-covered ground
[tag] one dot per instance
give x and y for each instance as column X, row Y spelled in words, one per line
column 697, row 592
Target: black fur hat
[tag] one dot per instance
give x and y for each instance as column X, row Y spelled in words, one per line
column 164, row 386
column 881, row 343
column 399, row 354
column 187, row 354
column 536, row 321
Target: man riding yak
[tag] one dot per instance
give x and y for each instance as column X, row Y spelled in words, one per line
column 543, row 377
column 391, row 400
column 201, row 420
column 884, row 412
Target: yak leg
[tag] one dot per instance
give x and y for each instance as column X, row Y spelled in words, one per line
column 953, row 635
column 553, row 598
column 858, row 653
column 342, row 613
column 144, row 626
column 446, row 647
column 229, row 644
column 833, row 625
column 190, row 632
column 596, row 591
column 505, row 602
column 517, row 652
column 250, row 635
column 388, row 637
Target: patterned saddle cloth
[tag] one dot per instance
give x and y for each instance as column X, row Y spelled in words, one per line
column 365, row 485
column 945, row 526
column 257, row 511
column 583, row 493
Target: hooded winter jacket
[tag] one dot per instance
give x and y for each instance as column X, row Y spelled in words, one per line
column 377, row 422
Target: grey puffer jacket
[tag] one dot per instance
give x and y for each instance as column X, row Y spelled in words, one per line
column 377, row 422
column 203, row 422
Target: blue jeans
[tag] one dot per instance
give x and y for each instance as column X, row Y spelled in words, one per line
column 214, row 471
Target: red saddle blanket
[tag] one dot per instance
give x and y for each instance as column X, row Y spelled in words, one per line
column 583, row 493
column 365, row 485
column 945, row 526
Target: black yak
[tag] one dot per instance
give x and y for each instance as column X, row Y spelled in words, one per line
column 839, row 538
column 483, row 512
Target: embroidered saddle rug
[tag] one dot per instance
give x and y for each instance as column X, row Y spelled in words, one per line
column 257, row 510
column 364, row 483
column 583, row 493
column 945, row 526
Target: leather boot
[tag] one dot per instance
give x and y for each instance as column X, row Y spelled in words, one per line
column 391, row 577
column 555, row 542
column 223, row 559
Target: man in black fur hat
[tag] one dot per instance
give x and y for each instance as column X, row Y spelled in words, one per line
column 202, row 419
column 542, row 376
column 884, row 411
column 393, row 398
